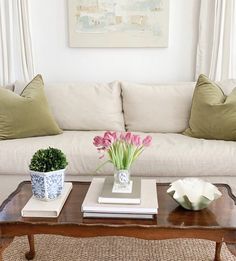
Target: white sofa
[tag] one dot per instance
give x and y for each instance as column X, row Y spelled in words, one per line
column 86, row 110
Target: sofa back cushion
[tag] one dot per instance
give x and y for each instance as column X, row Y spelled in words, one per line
column 157, row 108
column 85, row 106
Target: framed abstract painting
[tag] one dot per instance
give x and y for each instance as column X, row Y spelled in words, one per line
column 118, row 23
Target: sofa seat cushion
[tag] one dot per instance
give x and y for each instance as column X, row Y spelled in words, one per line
column 169, row 155
column 179, row 155
column 15, row 155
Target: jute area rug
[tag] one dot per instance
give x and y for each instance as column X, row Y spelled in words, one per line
column 58, row 248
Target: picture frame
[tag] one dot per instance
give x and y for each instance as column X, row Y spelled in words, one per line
column 118, row 23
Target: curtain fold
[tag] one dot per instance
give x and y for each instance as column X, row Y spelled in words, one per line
column 216, row 56
column 16, row 59
column 6, row 43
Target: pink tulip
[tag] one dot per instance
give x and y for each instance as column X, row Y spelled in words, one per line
column 136, row 140
column 106, row 143
column 128, row 136
column 110, row 136
column 114, row 135
column 147, row 141
column 98, row 141
column 107, row 135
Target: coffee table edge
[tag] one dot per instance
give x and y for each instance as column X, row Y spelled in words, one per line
column 8, row 199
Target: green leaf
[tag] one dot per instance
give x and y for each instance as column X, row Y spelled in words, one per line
column 50, row 159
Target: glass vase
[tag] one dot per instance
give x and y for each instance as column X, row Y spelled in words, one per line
column 121, row 179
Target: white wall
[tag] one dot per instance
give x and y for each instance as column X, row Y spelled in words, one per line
column 57, row 62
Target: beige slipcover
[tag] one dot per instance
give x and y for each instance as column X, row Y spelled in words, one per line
column 156, row 108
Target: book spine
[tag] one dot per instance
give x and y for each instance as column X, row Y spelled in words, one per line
column 102, row 200
column 112, row 215
column 119, row 210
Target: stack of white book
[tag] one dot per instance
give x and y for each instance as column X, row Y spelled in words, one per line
column 101, row 202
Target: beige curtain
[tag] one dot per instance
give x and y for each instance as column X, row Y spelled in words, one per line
column 216, row 52
column 16, row 59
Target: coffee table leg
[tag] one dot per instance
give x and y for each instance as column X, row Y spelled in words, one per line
column 4, row 243
column 31, row 254
column 217, row 252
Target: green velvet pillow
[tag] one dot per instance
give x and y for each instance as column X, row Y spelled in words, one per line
column 213, row 114
column 26, row 115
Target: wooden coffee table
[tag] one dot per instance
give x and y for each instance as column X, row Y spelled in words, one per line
column 216, row 223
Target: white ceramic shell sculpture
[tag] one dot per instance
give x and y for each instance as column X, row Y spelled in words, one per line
column 193, row 193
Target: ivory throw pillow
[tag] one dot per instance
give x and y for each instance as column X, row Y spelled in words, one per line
column 26, row 115
column 213, row 114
